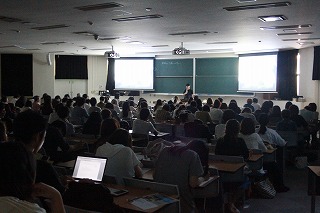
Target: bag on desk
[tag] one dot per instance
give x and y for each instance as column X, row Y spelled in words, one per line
column 265, row 189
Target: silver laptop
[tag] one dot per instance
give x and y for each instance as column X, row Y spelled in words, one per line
column 89, row 168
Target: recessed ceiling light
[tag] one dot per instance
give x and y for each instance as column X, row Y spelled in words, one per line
column 288, row 34
column 272, row 18
column 246, row 1
column 305, row 43
column 258, row 6
column 290, row 31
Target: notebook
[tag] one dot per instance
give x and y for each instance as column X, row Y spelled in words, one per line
column 89, row 168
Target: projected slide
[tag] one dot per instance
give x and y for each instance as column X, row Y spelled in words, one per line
column 134, row 74
column 258, row 73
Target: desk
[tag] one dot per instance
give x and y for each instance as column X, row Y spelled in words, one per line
column 229, row 172
column 122, row 201
column 255, row 162
column 313, row 183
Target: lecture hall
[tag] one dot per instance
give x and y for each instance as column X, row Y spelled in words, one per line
column 160, row 106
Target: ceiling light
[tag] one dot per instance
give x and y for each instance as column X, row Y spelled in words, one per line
column 135, row 18
column 99, row 6
column 272, row 18
column 305, row 43
column 50, row 27
column 258, row 6
column 246, row 1
column 288, row 34
column 86, row 33
column 160, row 45
column 286, row 27
column 223, row 42
column 134, row 42
column 190, row 33
column 290, row 31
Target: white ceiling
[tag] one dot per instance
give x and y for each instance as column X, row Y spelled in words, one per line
column 241, row 28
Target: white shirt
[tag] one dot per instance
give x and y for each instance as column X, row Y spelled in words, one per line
column 216, row 114
column 256, row 106
column 253, row 141
column 121, row 160
column 10, row 204
column 219, row 130
column 273, row 137
column 142, row 127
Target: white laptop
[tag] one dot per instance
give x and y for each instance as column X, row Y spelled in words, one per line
column 89, row 168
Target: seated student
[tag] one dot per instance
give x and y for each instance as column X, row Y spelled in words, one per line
column 163, row 114
column 101, row 103
column 46, row 107
column 267, row 134
column 251, row 138
column 122, row 161
column 192, row 107
column 94, row 107
column 29, row 128
column 142, row 125
column 286, row 124
column 108, row 126
column 157, row 106
column 54, row 115
column 234, row 107
column 247, row 113
column 275, row 116
column 92, row 125
column 105, row 114
column 17, row 182
column 221, row 128
column 232, row 145
column 144, row 105
column 63, row 114
column 126, row 112
column 79, row 114
column 116, row 105
column 249, row 104
column 255, row 104
column 114, row 114
column 204, row 115
column 310, row 114
column 180, row 166
column 54, row 140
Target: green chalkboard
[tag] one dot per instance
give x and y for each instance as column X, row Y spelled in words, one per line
column 173, row 67
column 217, row 76
column 171, row 75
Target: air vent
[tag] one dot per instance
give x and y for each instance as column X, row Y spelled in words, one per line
column 223, row 42
column 99, row 6
column 9, row 19
column 190, row 33
column 289, row 34
column 135, row 18
column 50, row 27
column 53, row 43
column 258, row 6
column 286, row 27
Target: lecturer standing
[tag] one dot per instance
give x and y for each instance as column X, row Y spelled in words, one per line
column 187, row 92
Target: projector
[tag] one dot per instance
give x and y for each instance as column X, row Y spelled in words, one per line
column 180, row 51
column 112, row 54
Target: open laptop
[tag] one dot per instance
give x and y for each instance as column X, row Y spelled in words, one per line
column 93, row 168
column 89, row 168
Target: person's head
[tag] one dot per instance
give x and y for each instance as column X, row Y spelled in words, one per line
column 63, row 112
column 209, row 101
column 85, row 96
column 227, row 115
column 206, row 108
column 216, row 104
column 36, row 98
column 93, row 101
column 166, row 107
column 67, row 96
column 193, row 103
column 110, row 106
column 187, row 86
column 247, row 126
column 294, row 109
column 144, row 114
column 114, row 102
column 121, row 136
column 276, row 111
column 199, row 104
column 105, row 114
column 288, row 104
column 285, row 114
column 143, row 104
column 101, row 99
column 159, row 102
column 255, row 100
column 223, row 106
column 126, row 106
column 80, row 101
column 232, row 128
column 246, row 110
column 108, row 126
column 220, row 99
column 29, row 128
column 313, row 107
column 249, row 101
column 18, row 171
column 234, row 107
column 263, row 120
column 47, row 99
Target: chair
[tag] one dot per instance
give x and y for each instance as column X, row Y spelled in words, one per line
column 168, row 189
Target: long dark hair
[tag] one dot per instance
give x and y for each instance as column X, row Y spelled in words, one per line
column 232, row 130
column 263, row 120
column 125, row 109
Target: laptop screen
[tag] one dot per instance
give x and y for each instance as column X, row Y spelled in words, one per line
column 89, row 168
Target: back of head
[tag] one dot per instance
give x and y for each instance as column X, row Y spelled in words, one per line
column 285, row 114
column 227, row 115
column 143, row 104
column 249, row 101
column 246, row 110
column 206, row 108
column 288, row 104
column 109, row 106
column 26, row 124
column 106, row 113
column 247, row 126
column 232, row 128
column 63, row 112
column 313, row 107
column 263, row 121
column 17, row 167
column 93, row 101
column 144, row 114
column 294, row 109
column 61, row 126
column 166, row 107
column 276, row 110
column 209, row 101
column 201, row 148
column 255, row 100
column 121, row 136
column 216, row 103
column 108, row 126
column 80, row 101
